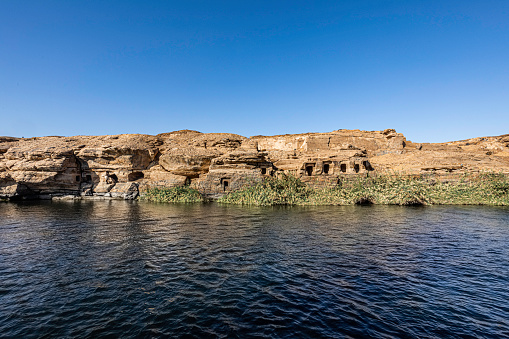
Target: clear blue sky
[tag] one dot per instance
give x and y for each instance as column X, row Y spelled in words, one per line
column 433, row 70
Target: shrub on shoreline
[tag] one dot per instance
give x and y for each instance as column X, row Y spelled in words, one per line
column 173, row 195
column 284, row 190
column 485, row 189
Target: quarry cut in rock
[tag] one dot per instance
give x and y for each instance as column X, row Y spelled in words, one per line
column 122, row 166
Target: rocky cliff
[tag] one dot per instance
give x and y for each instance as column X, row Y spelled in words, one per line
column 120, row 166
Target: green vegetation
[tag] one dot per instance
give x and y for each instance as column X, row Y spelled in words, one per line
column 485, row 189
column 174, row 194
column 285, row 190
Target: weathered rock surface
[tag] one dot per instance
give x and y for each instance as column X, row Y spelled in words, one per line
column 119, row 166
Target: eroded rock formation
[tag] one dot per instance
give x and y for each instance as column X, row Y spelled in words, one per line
column 120, row 166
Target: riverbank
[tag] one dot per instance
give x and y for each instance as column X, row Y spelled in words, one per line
column 122, row 166
column 485, row 189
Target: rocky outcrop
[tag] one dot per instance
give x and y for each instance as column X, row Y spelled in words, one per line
column 120, row 166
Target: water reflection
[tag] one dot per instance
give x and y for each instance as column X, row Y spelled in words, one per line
column 111, row 268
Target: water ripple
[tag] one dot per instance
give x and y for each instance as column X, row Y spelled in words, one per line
column 111, row 269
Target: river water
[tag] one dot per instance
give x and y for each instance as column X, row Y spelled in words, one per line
column 133, row 269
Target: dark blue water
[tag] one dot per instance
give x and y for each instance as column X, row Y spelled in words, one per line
column 127, row 269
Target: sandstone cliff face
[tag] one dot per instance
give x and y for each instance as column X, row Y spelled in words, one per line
column 122, row 165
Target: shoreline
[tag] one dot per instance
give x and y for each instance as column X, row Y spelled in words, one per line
column 488, row 189
column 217, row 202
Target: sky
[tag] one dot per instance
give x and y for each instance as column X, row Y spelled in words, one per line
column 435, row 71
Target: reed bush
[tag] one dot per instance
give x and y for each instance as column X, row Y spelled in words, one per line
column 485, row 189
column 173, row 195
column 283, row 190
column 394, row 189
